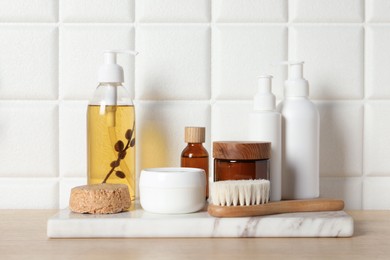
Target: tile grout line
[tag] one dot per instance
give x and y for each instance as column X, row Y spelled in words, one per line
column 59, row 104
column 211, row 91
column 364, row 50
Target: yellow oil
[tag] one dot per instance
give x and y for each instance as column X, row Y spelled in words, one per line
column 106, row 127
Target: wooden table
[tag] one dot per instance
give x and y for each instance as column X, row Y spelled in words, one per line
column 23, row 235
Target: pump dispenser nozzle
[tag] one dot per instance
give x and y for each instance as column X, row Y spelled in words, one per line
column 111, row 75
column 110, row 71
column 264, row 99
column 296, row 85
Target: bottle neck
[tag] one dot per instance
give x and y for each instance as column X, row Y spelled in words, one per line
column 296, row 88
column 109, row 84
column 111, row 94
column 294, row 97
column 195, row 144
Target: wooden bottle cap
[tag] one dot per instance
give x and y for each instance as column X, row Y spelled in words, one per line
column 235, row 150
column 194, row 134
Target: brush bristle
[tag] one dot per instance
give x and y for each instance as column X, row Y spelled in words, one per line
column 240, row 192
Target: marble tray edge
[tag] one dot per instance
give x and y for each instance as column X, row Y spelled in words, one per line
column 70, row 228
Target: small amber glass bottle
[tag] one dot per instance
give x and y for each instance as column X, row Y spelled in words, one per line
column 241, row 160
column 194, row 154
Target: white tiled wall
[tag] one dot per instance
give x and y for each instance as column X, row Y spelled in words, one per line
column 197, row 65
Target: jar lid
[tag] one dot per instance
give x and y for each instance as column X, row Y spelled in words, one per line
column 194, row 134
column 172, row 177
column 237, row 150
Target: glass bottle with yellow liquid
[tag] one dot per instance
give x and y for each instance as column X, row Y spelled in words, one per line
column 111, row 128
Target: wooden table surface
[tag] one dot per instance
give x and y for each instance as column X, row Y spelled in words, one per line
column 23, row 236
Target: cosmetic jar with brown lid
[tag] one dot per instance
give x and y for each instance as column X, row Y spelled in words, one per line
column 236, row 160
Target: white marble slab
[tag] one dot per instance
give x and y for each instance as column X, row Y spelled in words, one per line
column 138, row 223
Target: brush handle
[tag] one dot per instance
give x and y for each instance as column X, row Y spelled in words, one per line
column 286, row 206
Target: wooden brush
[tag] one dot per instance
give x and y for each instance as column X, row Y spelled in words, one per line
column 247, row 198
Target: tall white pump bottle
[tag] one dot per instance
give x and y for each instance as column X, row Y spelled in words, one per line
column 111, row 128
column 301, row 128
column 265, row 125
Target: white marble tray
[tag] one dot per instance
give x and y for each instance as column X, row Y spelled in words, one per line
column 138, row 223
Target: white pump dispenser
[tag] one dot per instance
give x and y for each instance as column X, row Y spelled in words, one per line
column 296, row 85
column 110, row 71
column 300, row 135
column 265, row 125
column 264, row 99
column 111, row 74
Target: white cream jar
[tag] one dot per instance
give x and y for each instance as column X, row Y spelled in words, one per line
column 172, row 190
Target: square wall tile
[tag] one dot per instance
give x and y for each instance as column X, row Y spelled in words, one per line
column 28, row 139
column 377, row 10
column 73, row 138
column 174, row 62
column 230, row 120
column 377, row 62
column 326, row 11
column 347, row 189
column 376, row 193
column 250, row 11
column 341, row 140
column 28, row 193
column 97, row 10
column 66, row 185
column 377, row 139
column 33, row 11
column 29, row 62
column 173, row 11
column 160, row 129
column 241, row 53
column 333, row 58
column 81, row 55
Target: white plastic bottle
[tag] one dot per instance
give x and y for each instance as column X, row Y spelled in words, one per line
column 265, row 125
column 300, row 135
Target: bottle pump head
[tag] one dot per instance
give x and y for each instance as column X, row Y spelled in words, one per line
column 264, row 99
column 295, row 85
column 110, row 71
